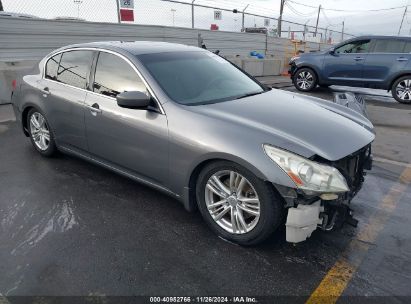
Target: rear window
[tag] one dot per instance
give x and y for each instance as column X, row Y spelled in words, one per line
column 389, row 46
column 74, row 68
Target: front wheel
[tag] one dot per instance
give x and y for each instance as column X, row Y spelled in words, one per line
column 236, row 204
column 305, row 79
column 401, row 90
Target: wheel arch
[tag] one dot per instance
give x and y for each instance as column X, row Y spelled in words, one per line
column 24, row 113
column 396, row 77
column 311, row 67
column 189, row 196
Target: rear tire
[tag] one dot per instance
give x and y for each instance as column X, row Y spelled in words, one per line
column 401, row 89
column 253, row 209
column 305, row 79
column 40, row 133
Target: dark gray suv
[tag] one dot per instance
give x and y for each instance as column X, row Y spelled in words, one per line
column 380, row 62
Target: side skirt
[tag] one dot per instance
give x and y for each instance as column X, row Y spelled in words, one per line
column 119, row 171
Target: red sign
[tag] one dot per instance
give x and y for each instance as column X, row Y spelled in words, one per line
column 126, row 15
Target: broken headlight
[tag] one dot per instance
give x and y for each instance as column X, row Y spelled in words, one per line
column 307, row 174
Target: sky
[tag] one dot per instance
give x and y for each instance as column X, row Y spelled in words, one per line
column 357, row 22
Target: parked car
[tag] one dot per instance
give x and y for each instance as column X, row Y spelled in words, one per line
column 17, row 15
column 380, row 62
column 191, row 124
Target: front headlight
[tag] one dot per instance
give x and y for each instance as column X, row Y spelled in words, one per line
column 307, row 174
column 294, row 58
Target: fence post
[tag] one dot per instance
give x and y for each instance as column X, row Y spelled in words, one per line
column 118, row 11
column 192, row 13
column 242, row 24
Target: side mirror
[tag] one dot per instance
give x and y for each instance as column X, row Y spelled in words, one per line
column 133, row 100
column 332, row 51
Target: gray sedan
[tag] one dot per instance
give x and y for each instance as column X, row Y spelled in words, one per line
column 187, row 122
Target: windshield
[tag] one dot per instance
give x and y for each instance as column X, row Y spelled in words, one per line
column 193, row 78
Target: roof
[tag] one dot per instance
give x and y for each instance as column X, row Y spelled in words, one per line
column 382, row 37
column 137, row 47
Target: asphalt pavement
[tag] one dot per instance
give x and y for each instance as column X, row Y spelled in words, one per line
column 70, row 228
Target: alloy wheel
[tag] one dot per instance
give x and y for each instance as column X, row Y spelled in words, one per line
column 304, row 80
column 39, row 131
column 403, row 90
column 232, row 202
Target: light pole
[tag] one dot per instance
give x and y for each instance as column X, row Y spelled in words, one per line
column 173, row 11
column 78, row 2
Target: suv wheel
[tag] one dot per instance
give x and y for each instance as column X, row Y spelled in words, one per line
column 236, row 204
column 40, row 133
column 401, row 89
column 305, row 79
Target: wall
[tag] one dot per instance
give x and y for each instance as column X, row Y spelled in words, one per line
column 23, row 42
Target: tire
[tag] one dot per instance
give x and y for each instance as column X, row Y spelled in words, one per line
column 305, row 79
column 252, row 229
column 402, row 86
column 40, row 133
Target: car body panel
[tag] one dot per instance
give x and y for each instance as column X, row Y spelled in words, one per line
column 133, row 139
column 163, row 147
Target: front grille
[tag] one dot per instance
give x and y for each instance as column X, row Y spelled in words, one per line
column 353, row 166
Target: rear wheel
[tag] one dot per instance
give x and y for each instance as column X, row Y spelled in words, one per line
column 236, row 204
column 401, row 89
column 305, row 79
column 40, row 133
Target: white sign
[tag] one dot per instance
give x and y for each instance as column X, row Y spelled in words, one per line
column 218, row 15
column 127, row 4
column 267, row 22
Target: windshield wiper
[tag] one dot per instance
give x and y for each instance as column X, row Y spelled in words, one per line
column 250, row 94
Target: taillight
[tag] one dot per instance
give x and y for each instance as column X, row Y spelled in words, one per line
column 14, row 84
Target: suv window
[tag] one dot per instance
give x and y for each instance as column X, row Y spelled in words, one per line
column 74, row 67
column 407, row 48
column 114, row 76
column 389, row 46
column 360, row 46
column 52, row 66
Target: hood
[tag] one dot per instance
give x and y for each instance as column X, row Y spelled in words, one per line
column 304, row 125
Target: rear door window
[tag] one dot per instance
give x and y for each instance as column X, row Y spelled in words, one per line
column 52, row 67
column 74, row 68
column 389, row 46
column 354, row 47
column 114, row 76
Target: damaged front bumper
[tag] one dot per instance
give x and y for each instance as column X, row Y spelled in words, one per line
column 308, row 211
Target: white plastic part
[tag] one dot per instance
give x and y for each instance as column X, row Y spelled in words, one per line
column 302, row 221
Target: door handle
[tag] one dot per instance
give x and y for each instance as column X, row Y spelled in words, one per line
column 358, row 58
column 402, row 59
column 45, row 91
column 94, row 109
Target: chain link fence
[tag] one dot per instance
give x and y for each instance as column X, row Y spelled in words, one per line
column 201, row 15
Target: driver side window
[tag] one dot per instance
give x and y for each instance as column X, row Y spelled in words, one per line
column 354, row 47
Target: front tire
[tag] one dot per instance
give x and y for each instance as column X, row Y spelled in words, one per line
column 237, row 205
column 40, row 133
column 401, row 89
column 305, row 79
